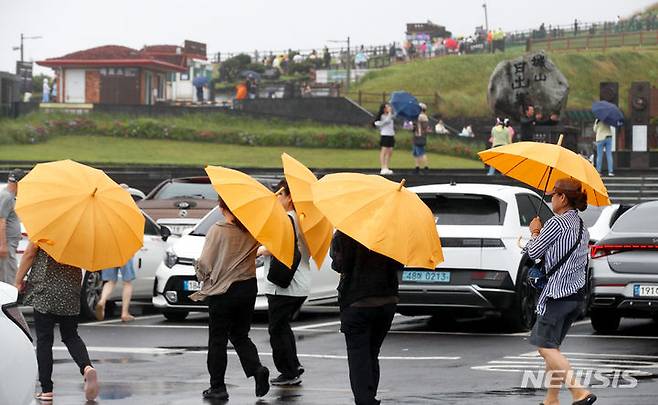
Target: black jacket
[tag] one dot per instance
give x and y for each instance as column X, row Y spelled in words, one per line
column 363, row 273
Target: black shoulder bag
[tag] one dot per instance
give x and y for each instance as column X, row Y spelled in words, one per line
column 538, row 278
column 279, row 273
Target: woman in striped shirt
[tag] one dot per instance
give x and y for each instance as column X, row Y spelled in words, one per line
column 560, row 302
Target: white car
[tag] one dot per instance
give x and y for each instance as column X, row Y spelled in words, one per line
column 482, row 229
column 18, row 368
column 176, row 280
column 599, row 220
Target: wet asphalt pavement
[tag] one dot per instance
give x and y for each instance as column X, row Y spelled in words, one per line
column 152, row 361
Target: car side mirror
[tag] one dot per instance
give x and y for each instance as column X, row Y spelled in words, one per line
column 165, row 233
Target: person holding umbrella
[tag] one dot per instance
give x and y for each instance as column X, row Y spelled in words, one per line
column 562, row 242
column 283, row 303
column 607, row 115
column 91, row 223
column 227, row 270
column 381, row 227
column 199, row 83
column 603, row 143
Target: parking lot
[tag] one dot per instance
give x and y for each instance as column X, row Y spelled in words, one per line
column 152, row 361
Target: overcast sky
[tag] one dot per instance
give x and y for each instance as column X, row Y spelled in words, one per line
column 244, row 25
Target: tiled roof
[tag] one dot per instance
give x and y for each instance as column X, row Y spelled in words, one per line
column 103, row 52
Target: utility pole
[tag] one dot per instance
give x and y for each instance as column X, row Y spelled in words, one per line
column 21, row 62
column 349, row 66
column 486, row 17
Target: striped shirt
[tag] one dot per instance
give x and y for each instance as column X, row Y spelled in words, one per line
column 556, row 238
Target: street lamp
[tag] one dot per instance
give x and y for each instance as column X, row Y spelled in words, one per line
column 486, row 17
column 349, row 61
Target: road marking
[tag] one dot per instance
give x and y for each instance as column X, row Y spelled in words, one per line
column 112, row 321
column 165, row 351
column 605, row 363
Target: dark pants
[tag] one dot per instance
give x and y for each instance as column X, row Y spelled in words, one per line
column 44, row 325
column 199, row 94
column 230, row 318
column 284, row 349
column 365, row 329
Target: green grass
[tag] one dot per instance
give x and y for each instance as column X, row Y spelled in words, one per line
column 462, row 81
column 109, row 150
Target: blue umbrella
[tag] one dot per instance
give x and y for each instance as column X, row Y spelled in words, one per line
column 608, row 113
column 405, row 105
column 250, row 74
column 200, row 81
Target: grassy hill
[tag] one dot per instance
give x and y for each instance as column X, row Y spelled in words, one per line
column 461, row 81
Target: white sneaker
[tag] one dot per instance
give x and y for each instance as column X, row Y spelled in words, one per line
column 611, row 175
column 383, row 171
column 389, row 171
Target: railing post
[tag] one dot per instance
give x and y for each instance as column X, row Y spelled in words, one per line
column 641, row 37
column 605, row 41
column 623, row 34
column 587, row 43
column 383, row 97
column 360, row 98
column 436, row 100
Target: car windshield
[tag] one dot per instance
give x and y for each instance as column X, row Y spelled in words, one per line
column 189, row 190
column 591, row 215
column 202, row 227
column 641, row 218
column 466, row 209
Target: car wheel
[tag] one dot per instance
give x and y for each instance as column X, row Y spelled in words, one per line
column 175, row 316
column 605, row 321
column 92, row 286
column 521, row 316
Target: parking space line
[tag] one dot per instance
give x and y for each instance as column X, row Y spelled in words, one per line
column 111, row 321
column 164, row 351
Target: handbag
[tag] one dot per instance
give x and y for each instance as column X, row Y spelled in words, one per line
column 279, row 273
column 538, row 278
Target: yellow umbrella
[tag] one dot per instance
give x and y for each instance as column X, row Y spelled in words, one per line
column 540, row 165
column 381, row 215
column 257, row 208
column 317, row 230
column 79, row 216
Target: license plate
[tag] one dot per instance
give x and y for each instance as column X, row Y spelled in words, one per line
column 191, row 285
column 645, row 290
column 426, row 276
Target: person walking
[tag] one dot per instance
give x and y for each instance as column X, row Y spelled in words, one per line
column 227, row 269
column 367, row 297
column 562, row 242
column 500, row 136
column 384, row 120
column 45, row 91
column 283, row 303
column 10, row 227
column 53, row 289
column 421, row 129
column 110, row 277
column 603, row 141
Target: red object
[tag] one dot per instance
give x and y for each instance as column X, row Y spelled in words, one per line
column 112, row 55
column 598, row 251
column 451, row 43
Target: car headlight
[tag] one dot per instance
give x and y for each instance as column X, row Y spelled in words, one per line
column 170, row 259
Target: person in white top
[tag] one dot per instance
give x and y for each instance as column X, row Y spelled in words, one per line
column 283, row 303
column 384, row 120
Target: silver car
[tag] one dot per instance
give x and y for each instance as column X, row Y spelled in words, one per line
column 624, row 269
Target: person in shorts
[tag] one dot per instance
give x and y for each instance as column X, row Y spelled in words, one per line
column 421, row 129
column 111, row 277
column 384, row 120
column 562, row 242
